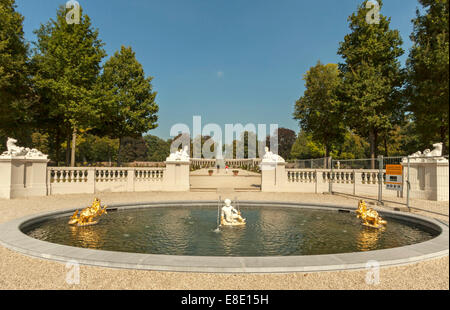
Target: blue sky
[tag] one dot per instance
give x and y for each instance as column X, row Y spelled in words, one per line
column 233, row 61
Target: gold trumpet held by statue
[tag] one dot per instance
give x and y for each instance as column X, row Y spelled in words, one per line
column 87, row 216
column 369, row 217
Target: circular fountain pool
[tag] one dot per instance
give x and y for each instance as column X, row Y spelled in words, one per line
column 192, row 231
column 182, row 236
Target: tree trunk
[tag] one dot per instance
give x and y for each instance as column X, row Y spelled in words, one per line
column 118, row 152
column 325, row 160
column 443, row 139
column 74, row 144
column 68, row 150
column 373, row 147
column 57, row 147
column 386, row 153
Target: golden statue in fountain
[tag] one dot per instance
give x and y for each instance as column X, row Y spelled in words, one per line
column 88, row 214
column 230, row 216
column 370, row 217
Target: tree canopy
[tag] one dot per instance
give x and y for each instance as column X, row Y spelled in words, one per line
column 132, row 110
column 286, row 139
column 59, row 91
column 66, row 64
column 319, row 110
column 158, row 149
column 16, row 94
column 372, row 77
column 428, row 72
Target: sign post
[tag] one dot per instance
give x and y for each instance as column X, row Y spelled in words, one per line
column 394, row 177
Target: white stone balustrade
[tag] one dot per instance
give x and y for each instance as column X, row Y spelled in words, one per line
column 212, row 163
column 27, row 177
column 66, row 180
column 350, row 181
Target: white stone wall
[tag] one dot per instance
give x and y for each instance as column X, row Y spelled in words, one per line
column 428, row 181
column 25, row 177
column 22, row 177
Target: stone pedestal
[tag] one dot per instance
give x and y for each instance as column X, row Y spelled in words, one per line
column 22, row 177
column 273, row 176
column 176, row 176
column 428, row 178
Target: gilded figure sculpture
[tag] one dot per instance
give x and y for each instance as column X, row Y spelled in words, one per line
column 88, row 215
column 369, row 217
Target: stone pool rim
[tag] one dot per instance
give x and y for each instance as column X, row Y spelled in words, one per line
column 12, row 237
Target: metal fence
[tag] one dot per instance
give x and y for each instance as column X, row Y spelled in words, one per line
column 316, row 163
column 416, row 183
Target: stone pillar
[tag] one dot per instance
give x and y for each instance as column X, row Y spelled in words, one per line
column 6, row 170
column 428, row 178
column 176, row 176
column 91, row 179
column 22, row 177
column 357, row 181
column 442, row 182
column 273, row 176
column 131, row 174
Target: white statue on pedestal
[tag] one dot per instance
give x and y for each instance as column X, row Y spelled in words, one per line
column 230, row 216
column 16, row 151
column 416, row 154
column 180, row 155
column 428, row 154
column 437, row 150
column 270, row 157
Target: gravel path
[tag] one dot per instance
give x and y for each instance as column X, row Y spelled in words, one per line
column 21, row 272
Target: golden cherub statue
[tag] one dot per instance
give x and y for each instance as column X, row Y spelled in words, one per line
column 88, row 214
column 369, row 216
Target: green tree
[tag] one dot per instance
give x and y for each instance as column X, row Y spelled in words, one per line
column 286, row 139
column 371, row 77
column 40, row 141
column 306, row 148
column 428, row 72
column 158, row 149
column 247, row 146
column 410, row 140
column 199, row 143
column 319, row 111
column 93, row 149
column 131, row 111
column 392, row 142
column 16, row 96
column 249, row 140
column 133, row 149
column 67, row 63
column 351, row 147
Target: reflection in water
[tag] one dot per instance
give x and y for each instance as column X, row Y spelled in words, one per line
column 368, row 238
column 231, row 238
column 174, row 226
column 86, row 237
column 190, row 231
